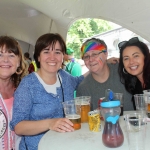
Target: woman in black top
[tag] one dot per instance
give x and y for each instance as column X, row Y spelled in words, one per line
column 134, row 65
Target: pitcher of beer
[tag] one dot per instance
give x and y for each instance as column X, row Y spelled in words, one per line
column 112, row 134
column 84, row 102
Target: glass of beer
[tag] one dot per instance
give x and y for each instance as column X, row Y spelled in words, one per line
column 84, row 103
column 147, row 92
column 72, row 112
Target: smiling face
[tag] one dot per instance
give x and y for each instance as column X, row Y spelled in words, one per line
column 96, row 62
column 51, row 58
column 133, row 60
column 9, row 62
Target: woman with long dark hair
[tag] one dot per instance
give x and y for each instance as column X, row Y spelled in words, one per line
column 134, row 67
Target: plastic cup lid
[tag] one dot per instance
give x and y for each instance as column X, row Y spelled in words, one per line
column 107, row 104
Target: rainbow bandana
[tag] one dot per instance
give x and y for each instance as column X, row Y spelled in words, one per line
column 92, row 46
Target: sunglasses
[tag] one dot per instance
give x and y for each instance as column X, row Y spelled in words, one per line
column 131, row 41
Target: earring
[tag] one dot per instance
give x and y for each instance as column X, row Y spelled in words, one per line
column 18, row 71
column 125, row 72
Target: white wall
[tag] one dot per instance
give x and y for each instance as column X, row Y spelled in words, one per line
column 26, row 48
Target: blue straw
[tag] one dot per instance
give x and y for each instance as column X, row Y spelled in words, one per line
column 111, row 95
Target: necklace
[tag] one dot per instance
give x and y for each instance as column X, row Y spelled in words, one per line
column 61, row 87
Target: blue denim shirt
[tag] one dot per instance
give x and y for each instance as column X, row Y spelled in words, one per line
column 33, row 102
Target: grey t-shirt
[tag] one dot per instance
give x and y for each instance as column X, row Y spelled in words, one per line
column 90, row 87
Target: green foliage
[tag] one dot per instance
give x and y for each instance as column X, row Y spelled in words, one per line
column 85, row 28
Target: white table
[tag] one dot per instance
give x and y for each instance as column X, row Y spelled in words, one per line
column 83, row 139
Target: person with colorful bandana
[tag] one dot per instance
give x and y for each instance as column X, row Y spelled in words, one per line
column 102, row 75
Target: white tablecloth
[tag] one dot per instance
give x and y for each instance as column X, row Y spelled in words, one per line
column 84, row 139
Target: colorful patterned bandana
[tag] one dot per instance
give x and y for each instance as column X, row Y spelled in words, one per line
column 92, row 46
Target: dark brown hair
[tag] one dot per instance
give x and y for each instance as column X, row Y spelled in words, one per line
column 46, row 40
column 127, row 79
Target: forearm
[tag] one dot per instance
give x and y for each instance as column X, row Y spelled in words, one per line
column 32, row 127
column 36, row 127
column 113, row 60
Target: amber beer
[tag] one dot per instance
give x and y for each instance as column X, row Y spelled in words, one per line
column 147, row 93
column 148, row 110
column 76, row 120
column 85, row 108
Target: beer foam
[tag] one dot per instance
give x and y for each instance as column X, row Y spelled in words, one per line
column 74, row 116
column 85, row 103
column 78, row 103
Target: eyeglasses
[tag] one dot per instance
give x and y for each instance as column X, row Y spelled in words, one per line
column 131, row 41
column 93, row 55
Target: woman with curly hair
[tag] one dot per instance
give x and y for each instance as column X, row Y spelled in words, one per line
column 12, row 69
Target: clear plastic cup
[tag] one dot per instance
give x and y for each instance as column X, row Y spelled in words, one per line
column 147, row 92
column 84, row 102
column 119, row 96
column 136, row 130
column 72, row 112
column 141, row 103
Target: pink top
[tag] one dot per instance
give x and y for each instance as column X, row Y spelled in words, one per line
column 9, row 105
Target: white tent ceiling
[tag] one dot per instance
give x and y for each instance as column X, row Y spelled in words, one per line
column 26, row 20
